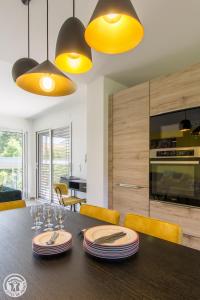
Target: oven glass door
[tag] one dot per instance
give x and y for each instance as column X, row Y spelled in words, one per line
column 177, row 181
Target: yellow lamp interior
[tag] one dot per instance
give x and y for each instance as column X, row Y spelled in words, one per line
column 73, row 63
column 46, row 84
column 112, row 18
column 114, row 33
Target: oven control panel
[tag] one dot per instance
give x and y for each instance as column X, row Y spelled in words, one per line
column 175, row 153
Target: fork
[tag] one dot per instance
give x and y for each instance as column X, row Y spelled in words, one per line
column 53, row 238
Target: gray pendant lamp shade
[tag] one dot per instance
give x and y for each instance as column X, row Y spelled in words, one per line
column 114, row 27
column 25, row 64
column 46, row 80
column 185, row 125
column 73, row 55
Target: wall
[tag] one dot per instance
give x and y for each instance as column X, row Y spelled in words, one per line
column 87, row 109
column 20, row 124
column 72, row 111
column 95, row 157
column 98, row 93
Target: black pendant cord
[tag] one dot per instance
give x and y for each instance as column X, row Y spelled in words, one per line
column 73, row 8
column 28, row 29
column 47, row 29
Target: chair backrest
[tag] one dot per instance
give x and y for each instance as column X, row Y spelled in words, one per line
column 60, row 190
column 12, row 205
column 100, row 213
column 154, row 227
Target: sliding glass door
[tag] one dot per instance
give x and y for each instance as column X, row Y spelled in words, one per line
column 43, row 164
column 61, row 155
column 12, row 160
column 53, row 160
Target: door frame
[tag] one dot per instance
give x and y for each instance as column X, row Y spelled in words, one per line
column 50, row 131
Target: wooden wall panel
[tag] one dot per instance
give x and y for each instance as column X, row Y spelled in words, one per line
column 187, row 217
column 130, row 150
column 176, row 91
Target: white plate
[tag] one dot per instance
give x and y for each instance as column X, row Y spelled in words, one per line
column 99, row 231
column 48, row 253
column 51, row 249
column 109, row 257
column 43, row 238
column 55, row 247
column 109, row 252
column 52, row 252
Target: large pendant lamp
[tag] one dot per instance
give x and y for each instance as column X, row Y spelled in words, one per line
column 114, row 27
column 73, row 55
column 185, row 125
column 25, row 64
column 45, row 79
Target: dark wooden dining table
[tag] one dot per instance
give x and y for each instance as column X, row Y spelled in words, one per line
column 161, row 270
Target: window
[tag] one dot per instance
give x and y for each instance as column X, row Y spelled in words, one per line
column 12, row 160
column 54, row 160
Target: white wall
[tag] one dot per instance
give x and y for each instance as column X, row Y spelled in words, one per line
column 20, row 124
column 87, row 109
column 95, row 151
column 98, row 93
column 72, row 111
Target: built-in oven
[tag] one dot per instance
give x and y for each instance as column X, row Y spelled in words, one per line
column 175, row 176
column 175, row 158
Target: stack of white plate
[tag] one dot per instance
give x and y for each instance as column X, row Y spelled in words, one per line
column 122, row 248
column 62, row 244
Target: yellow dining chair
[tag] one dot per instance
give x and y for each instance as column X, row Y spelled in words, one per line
column 160, row 229
column 12, row 205
column 100, row 213
column 62, row 192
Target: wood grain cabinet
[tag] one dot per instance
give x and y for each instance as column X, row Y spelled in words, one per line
column 187, row 217
column 176, row 91
column 129, row 116
column 129, row 151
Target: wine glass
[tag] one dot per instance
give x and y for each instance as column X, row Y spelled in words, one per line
column 35, row 216
column 60, row 215
column 48, row 214
column 40, row 214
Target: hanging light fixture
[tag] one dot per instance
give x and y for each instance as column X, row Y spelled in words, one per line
column 45, row 79
column 196, row 131
column 25, row 64
column 73, row 55
column 114, row 27
column 185, row 125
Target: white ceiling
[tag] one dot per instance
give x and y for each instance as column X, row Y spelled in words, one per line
column 172, row 41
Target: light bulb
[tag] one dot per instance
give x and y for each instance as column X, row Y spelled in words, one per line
column 112, row 18
column 47, row 84
column 74, row 60
column 74, row 55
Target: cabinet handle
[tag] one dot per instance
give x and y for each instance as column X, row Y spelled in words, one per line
column 130, row 186
column 174, row 162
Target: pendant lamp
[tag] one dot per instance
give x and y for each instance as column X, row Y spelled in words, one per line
column 25, row 64
column 45, row 79
column 196, row 131
column 114, row 27
column 185, row 125
column 73, row 55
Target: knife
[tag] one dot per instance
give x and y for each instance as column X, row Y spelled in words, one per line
column 109, row 238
